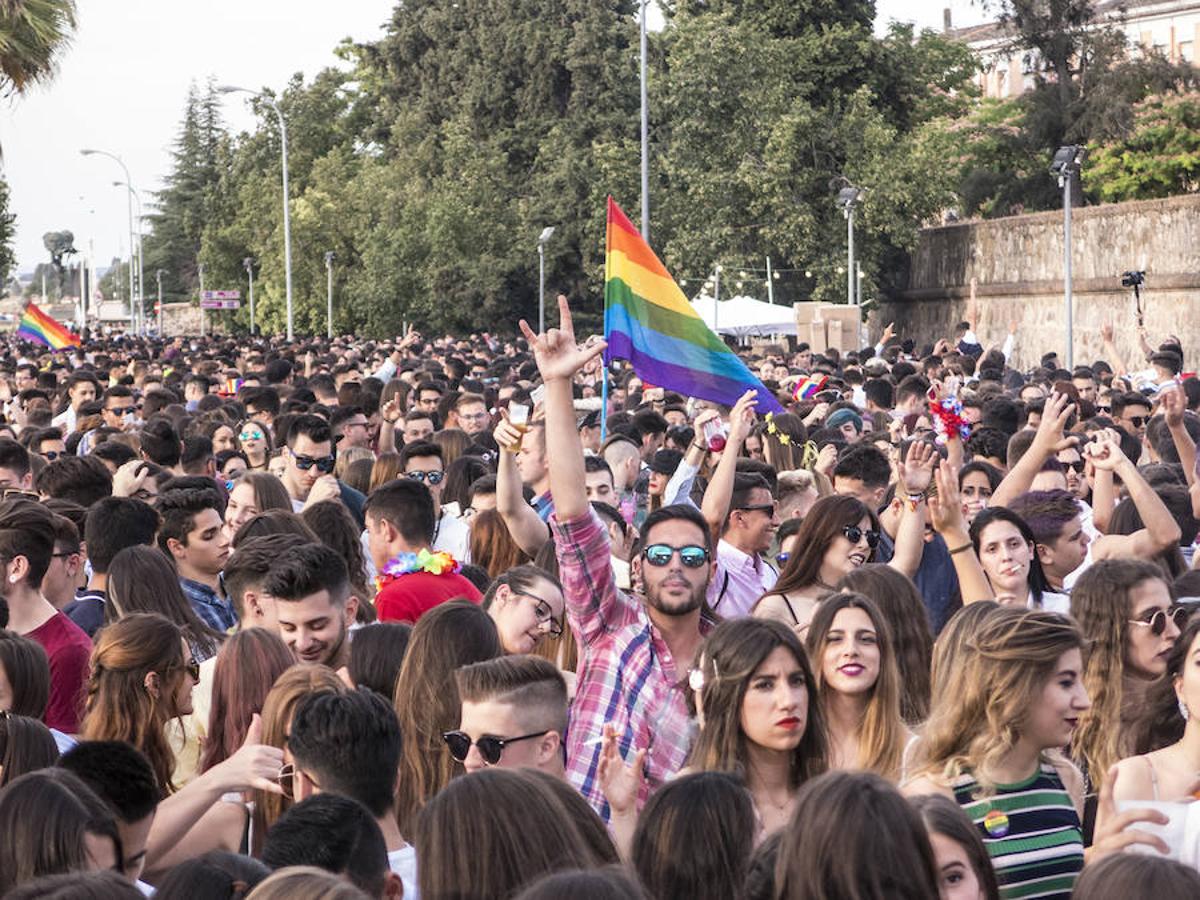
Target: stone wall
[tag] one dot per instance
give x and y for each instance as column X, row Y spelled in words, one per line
column 1014, row 269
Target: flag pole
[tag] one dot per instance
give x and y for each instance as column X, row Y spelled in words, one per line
column 604, row 374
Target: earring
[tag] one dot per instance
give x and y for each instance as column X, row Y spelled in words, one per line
column 1183, row 710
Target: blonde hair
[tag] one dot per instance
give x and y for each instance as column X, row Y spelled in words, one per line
column 1003, row 669
column 305, row 883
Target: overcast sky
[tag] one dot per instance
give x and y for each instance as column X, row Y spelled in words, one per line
column 123, row 83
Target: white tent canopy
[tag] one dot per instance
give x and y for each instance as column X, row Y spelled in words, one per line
column 744, row 316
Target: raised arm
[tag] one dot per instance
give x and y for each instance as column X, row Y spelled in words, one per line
column 916, row 472
column 1173, row 403
column 1160, row 531
column 524, row 524
column 1110, row 350
column 715, row 505
column 1048, row 441
column 945, row 514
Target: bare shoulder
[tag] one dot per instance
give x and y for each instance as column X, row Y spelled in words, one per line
column 1135, row 779
column 925, row 784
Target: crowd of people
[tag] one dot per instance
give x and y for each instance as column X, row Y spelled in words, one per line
column 453, row 618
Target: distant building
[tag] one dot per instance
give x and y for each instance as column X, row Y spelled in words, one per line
column 1170, row 27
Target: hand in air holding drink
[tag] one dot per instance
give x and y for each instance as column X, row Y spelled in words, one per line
column 514, row 422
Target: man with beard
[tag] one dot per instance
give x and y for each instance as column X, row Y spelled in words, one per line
column 313, row 603
column 634, row 653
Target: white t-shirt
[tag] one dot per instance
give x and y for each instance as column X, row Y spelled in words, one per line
column 404, row 863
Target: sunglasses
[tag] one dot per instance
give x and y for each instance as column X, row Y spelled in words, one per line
column 325, row 464
column 692, row 556
column 121, row 410
column 52, row 455
column 1075, row 466
column 1157, row 623
column 434, row 477
column 854, row 534
column 768, row 508
column 251, row 436
column 1138, row 421
column 490, row 748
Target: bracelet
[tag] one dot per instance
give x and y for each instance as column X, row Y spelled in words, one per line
column 915, row 498
column 696, row 446
column 966, row 546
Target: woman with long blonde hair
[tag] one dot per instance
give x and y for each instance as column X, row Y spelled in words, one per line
column 851, row 646
column 989, row 748
column 142, row 674
column 755, row 698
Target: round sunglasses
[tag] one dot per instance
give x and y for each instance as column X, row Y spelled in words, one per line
column 1157, row 623
column 854, row 534
column 692, row 556
column 434, row 477
column 490, row 748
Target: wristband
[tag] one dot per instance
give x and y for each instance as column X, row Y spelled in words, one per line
column 696, row 446
column 966, row 546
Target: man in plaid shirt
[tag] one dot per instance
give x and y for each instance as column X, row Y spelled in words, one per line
column 634, row 656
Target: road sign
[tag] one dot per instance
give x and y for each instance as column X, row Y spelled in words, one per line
column 221, row 295
column 220, row 304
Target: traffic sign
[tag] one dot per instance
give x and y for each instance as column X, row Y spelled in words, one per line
column 220, row 304
column 221, row 295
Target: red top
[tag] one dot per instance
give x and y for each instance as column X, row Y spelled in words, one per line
column 69, row 649
column 407, row 598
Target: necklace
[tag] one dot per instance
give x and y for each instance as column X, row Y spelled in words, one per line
column 435, row 563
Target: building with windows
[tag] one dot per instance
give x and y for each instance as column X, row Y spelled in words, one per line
column 1169, row 27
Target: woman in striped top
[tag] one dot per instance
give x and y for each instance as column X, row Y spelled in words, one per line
column 989, row 749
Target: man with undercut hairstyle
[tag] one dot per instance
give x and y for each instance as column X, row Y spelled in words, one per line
column 310, row 589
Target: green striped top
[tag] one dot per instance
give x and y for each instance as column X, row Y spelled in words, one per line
column 1032, row 833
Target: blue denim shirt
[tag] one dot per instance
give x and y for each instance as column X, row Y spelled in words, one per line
column 214, row 611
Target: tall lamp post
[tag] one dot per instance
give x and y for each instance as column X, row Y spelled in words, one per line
column 329, row 294
column 645, row 129
column 248, row 265
column 546, row 234
column 848, row 198
column 1066, row 164
column 158, row 277
column 287, row 218
column 139, row 311
column 129, row 201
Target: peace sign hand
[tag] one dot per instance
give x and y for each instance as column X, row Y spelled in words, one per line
column 556, row 351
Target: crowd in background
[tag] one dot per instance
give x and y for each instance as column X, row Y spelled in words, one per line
column 453, row 618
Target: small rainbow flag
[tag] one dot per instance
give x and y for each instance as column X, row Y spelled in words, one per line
column 40, row 328
column 810, row 387
column 648, row 321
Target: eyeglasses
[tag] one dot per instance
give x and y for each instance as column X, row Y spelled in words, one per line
column 543, row 612
column 120, row 410
column 768, row 508
column 1138, row 421
column 193, row 670
column 324, row 464
column 251, row 436
column 63, row 554
column 490, row 748
column 854, row 534
column 1157, row 623
column 1104, row 409
column 692, row 556
column 434, row 477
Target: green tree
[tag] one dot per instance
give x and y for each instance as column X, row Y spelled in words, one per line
column 1160, row 157
column 33, row 33
column 8, row 231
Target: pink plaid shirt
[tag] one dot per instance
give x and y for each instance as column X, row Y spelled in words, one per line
column 626, row 673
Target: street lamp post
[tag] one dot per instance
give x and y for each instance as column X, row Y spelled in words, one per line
column 645, row 130
column 546, row 234
column 1065, row 165
column 329, row 294
column 848, row 198
column 248, row 264
column 129, row 201
column 158, row 277
column 203, row 312
column 139, row 318
column 287, row 218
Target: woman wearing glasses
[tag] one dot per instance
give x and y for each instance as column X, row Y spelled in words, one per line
column 255, row 440
column 839, row 534
column 1125, row 610
column 526, row 603
column 142, row 674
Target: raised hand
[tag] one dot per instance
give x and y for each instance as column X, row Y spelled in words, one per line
column 945, row 509
column 556, row 351
column 741, row 417
column 507, row 435
column 619, row 781
column 1106, row 332
column 1173, row 404
column 1049, row 438
column 1113, row 832
column 1105, row 453
column 255, row 766
column 390, row 411
column 916, row 469
column 888, row 333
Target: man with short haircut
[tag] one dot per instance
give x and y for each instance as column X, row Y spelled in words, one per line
column 743, row 574
column 427, row 396
column 161, row 443
column 534, row 470
column 196, row 458
column 350, row 427
column 422, row 461
column 26, row 545
column 599, row 481
column 80, row 479
column 400, row 526
column 310, row 589
column 113, row 524
column 848, row 423
column 418, row 426
column 192, row 534
column 15, row 472
column 349, row 744
column 336, row 834
column 123, row 778
column 652, row 427
column 309, row 463
column 120, row 410
column 48, row 444
column 62, row 577
column 624, row 459
column 1131, row 411
column 472, row 414
column 514, row 714
column 81, row 389
column 262, row 404
column 862, row 471
column 912, row 396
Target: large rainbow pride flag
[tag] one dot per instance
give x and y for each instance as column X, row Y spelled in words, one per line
column 648, row 321
column 36, row 326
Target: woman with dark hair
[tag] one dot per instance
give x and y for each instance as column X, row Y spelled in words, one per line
column 255, row 440
column 694, row 837
column 104, row 884
column 527, row 605
column 454, row 443
column 1004, row 544
column 26, row 745
column 231, row 465
column 904, row 610
column 977, row 481
column 274, row 521
column 142, row 674
column 839, row 534
column 609, row 883
column 492, row 545
column 964, row 870
column 217, row 875
column 376, row 654
column 850, row 643
column 246, row 669
column 143, row 579
column 755, row 699
column 54, row 823
column 449, row 636
column 254, row 493
column 494, row 832
column 336, row 529
column 853, row 835
column 358, row 475
column 1127, row 520
column 460, row 475
column 1125, row 875
column 24, row 676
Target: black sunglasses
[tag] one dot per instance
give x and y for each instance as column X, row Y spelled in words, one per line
column 1137, row 421
column 1157, row 623
column 768, row 508
column 692, row 556
column 854, row 534
column 121, row 410
column 490, row 748
column 1075, row 466
column 434, row 477
column 324, row 464
column 51, row 455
